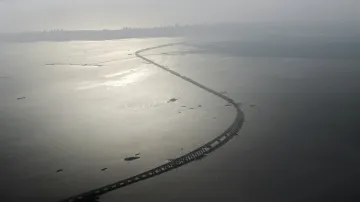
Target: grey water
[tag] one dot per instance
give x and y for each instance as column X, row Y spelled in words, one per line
column 88, row 105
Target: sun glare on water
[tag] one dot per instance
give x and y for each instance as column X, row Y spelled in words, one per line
column 118, row 79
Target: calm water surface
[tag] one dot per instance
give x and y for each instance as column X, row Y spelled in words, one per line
column 88, row 105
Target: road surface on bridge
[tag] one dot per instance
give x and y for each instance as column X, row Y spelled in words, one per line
column 199, row 153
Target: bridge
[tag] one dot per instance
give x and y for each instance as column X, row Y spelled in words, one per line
column 199, row 153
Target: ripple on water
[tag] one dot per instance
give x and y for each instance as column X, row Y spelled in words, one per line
column 125, row 78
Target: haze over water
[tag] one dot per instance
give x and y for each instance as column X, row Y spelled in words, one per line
column 75, row 103
column 94, row 104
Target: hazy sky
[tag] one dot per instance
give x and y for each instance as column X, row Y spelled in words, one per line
column 23, row 15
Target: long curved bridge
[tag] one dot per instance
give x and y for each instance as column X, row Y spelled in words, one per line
column 201, row 152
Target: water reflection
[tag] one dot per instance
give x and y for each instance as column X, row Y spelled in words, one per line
column 124, row 78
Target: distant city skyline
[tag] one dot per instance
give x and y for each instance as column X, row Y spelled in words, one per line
column 37, row 15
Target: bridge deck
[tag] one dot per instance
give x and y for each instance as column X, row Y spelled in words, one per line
column 199, row 153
